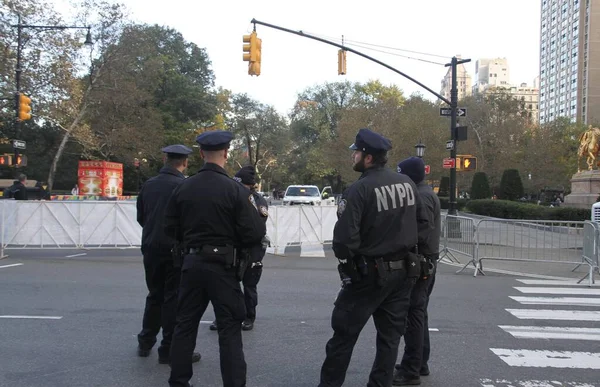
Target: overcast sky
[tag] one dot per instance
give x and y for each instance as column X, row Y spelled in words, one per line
column 472, row 28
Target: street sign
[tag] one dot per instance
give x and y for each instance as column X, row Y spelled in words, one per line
column 427, row 169
column 18, row 144
column 448, row 163
column 450, row 145
column 447, row 112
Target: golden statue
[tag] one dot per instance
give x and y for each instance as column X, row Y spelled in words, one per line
column 589, row 145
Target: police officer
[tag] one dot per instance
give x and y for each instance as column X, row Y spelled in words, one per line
column 247, row 177
column 162, row 276
column 417, row 348
column 212, row 215
column 374, row 240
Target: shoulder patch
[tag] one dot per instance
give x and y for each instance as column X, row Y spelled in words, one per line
column 263, row 211
column 341, row 207
column 251, row 198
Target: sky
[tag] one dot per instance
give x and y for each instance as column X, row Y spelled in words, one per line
column 474, row 29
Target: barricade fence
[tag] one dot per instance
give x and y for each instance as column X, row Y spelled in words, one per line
column 97, row 224
column 534, row 241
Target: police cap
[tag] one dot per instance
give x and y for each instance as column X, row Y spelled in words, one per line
column 370, row 142
column 214, row 140
column 177, row 151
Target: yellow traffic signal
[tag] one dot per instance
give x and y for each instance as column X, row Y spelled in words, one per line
column 466, row 163
column 5, row 160
column 252, row 53
column 469, row 163
column 24, row 107
column 342, row 62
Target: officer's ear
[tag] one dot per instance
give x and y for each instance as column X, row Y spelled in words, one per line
column 225, row 154
column 185, row 162
column 367, row 158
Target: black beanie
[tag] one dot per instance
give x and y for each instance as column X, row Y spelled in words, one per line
column 246, row 175
column 413, row 167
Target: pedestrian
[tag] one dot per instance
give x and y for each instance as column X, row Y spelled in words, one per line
column 161, row 271
column 247, row 177
column 416, row 339
column 18, row 190
column 75, row 190
column 374, row 240
column 212, row 216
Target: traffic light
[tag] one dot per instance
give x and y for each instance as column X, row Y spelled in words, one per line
column 466, row 163
column 5, row 160
column 342, row 62
column 24, row 105
column 252, row 53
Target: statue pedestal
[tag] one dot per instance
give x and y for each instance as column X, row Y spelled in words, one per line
column 585, row 189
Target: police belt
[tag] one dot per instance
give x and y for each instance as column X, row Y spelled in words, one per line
column 394, row 265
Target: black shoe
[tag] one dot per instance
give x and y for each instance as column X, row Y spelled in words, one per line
column 401, row 380
column 143, row 352
column 424, row 371
column 213, row 326
column 247, row 325
column 167, row 360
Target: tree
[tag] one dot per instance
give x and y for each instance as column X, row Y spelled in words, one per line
column 444, row 189
column 511, row 186
column 480, row 187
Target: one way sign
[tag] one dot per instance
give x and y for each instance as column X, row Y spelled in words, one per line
column 447, row 112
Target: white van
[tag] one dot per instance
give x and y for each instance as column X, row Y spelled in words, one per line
column 306, row 194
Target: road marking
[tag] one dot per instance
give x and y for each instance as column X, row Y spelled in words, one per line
column 12, row 265
column 75, row 255
column 552, row 359
column 549, row 314
column 577, row 291
column 554, row 282
column 433, row 330
column 561, row 333
column 557, row 301
column 34, row 317
column 531, row 383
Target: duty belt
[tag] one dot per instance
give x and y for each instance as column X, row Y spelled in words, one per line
column 394, row 265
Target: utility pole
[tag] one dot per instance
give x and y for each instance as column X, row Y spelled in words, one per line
column 452, row 207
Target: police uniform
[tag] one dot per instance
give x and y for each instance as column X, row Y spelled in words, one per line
column 162, row 277
column 246, row 176
column 417, row 347
column 373, row 239
column 212, row 215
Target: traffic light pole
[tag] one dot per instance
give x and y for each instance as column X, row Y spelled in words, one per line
column 301, row 33
column 19, row 26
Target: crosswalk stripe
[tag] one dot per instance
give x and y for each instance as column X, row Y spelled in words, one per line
column 574, row 301
column 561, row 333
column 550, row 314
column 553, row 359
column 554, row 282
column 573, row 291
column 531, row 383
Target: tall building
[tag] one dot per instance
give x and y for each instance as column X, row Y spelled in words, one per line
column 463, row 80
column 527, row 95
column 491, row 73
column 570, row 60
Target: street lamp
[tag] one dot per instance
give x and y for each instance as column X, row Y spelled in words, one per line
column 20, row 27
column 420, row 147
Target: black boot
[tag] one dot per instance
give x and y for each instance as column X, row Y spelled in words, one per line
column 213, row 326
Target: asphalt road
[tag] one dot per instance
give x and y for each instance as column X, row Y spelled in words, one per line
column 90, row 308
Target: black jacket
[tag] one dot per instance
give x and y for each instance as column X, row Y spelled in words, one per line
column 151, row 203
column 18, row 191
column 430, row 224
column 210, row 208
column 377, row 215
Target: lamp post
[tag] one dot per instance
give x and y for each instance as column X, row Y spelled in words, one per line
column 420, row 148
column 20, row 27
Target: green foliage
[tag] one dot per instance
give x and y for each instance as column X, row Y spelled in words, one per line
column 480, row 186
column 444, row 186
column 511, row 186
column 514, row 210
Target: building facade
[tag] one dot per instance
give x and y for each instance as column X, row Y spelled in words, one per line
column 491, row 73
column 570, row 60
column 463, row 80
